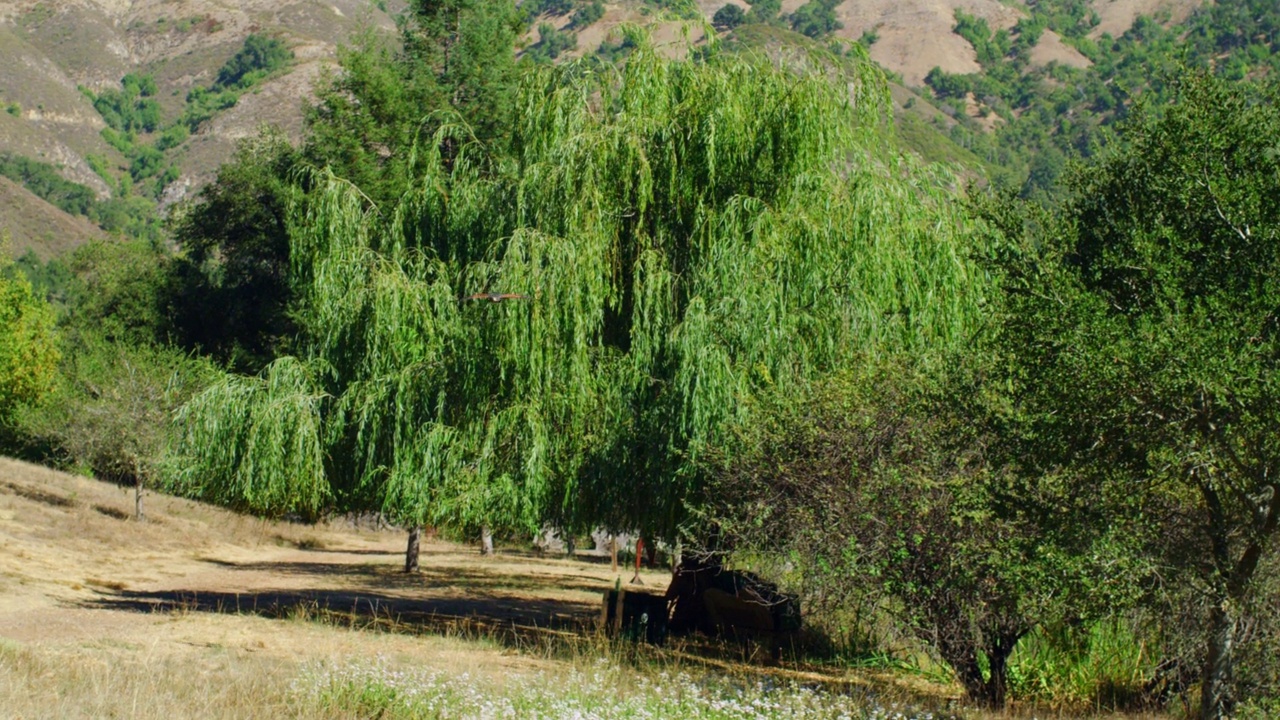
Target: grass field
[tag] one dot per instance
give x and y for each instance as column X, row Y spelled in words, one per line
column 200, row 612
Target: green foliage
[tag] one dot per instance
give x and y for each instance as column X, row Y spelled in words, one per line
column 816, row 18
column 991, row 47
column 764, row 11
column 587, row 14
column 535, row 8
column 264, row 453
column 110, row 410
column 729, row 17
column 131, row 216
column 121, row 292
column 615, row 48
column 1103, row 665
column 52, row 281
column 551, row 43
column 132, row 108
column 43, row 180
column 667, row 273
column 203, row 103
column 1140, row 338
column 947, row 85
column 232, row 295
column 172, row 137
column 1065, row 111
column 28, row 350
column 883, row 491
column 368, row 120
column 258, row 57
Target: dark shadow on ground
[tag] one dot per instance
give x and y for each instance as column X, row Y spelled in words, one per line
column 387, row 576
column 365, row 609
column 339, row 551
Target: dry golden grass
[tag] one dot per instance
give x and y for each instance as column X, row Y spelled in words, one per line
column 200, row 612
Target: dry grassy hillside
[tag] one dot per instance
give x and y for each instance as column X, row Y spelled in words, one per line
column 55, row 46
column 200, row 612
column 102, row 616
column 33, row 224
column 51, row 48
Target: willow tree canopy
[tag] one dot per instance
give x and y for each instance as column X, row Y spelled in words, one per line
column 687, row 234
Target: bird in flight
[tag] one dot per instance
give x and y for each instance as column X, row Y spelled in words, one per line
column 496, row 297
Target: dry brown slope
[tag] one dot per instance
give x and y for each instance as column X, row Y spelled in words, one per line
column 55, row 46
column 1117, row 16
column 33, row 224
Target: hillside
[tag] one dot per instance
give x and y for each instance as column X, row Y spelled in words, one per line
column 62, row 55
column 56, row 47
column 31, row 223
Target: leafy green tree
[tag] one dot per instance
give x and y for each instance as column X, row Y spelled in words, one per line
column 587, row 14
column 28, row 349
column 947, row 85
column 764, row 11
column 816, row 18
column 110, row 409
column 659, row 276
column 729, row 17
column 456, row 63
column 551, row 44
column 231, row 294
column 885, row 492
column 132, row 108
column 1142, row 333
column 121, row 292
column 259, row 56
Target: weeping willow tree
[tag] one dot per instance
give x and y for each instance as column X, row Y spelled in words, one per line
column 680, row 236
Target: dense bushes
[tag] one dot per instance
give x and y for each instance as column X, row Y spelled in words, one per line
column 28, row 355
column 886, row 497
column 260, row 56
column 113, row 382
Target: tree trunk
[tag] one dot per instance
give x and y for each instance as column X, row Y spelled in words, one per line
column 613, row 551
column 997, row 690
column 1215, row 693
column 992, row 689
column 486, row 540
column 412, row 550
column 137, row 500
column 570, row 547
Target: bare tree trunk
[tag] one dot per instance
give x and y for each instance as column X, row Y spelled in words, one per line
column 1215, row 693
column 137, row 499
column 570, row 547
column 486, row 540
column 635, row 579
column 613, row 551
column 411, row 552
